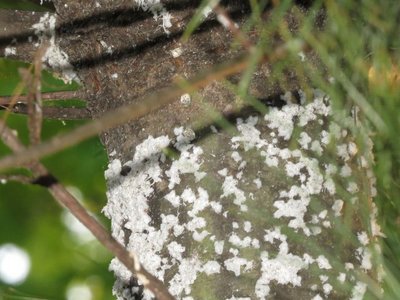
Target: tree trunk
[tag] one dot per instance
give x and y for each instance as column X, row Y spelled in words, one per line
column 249, row 205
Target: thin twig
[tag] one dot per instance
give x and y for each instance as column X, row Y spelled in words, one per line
column 226, row 21
column 58, row 113
column 35, row 116
column 14, row 99
column 63, row 95
column 17, row 178
column 28, row 81
column 63, row 197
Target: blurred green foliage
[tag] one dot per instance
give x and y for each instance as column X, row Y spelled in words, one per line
column 361, row 50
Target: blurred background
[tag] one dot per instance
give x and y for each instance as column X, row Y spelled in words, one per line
column 44, row 252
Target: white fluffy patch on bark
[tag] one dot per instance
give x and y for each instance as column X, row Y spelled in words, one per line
column 54, row 57
column 168, row 244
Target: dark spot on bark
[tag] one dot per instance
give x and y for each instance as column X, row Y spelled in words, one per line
column 125, row 170
column 127, row 233
column 133, row 290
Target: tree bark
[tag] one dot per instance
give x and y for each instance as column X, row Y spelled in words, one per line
column 17, row 38
column 217, row 209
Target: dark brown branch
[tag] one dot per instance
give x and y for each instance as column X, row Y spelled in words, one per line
column 65, row 199
column 57, row 113
column 63, row 95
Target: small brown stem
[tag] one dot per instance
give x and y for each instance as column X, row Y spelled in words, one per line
column 17, row 178
column 35, row 107
column 13, row 99
column 226, row 21
column 63, row 95
column 34, row 99
column 58, row 113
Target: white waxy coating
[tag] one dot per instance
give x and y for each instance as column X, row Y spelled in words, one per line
column 191, row 206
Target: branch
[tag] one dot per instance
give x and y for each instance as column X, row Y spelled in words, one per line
column 63, row 95
column 227, row 22
column 35, row 114
column 17, row 178
column 64, row 198
column 57, row 113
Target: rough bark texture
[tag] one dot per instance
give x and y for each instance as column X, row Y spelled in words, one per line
column 16, row 34
column 121, row 53
column 121, row 40
column 225, row 211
